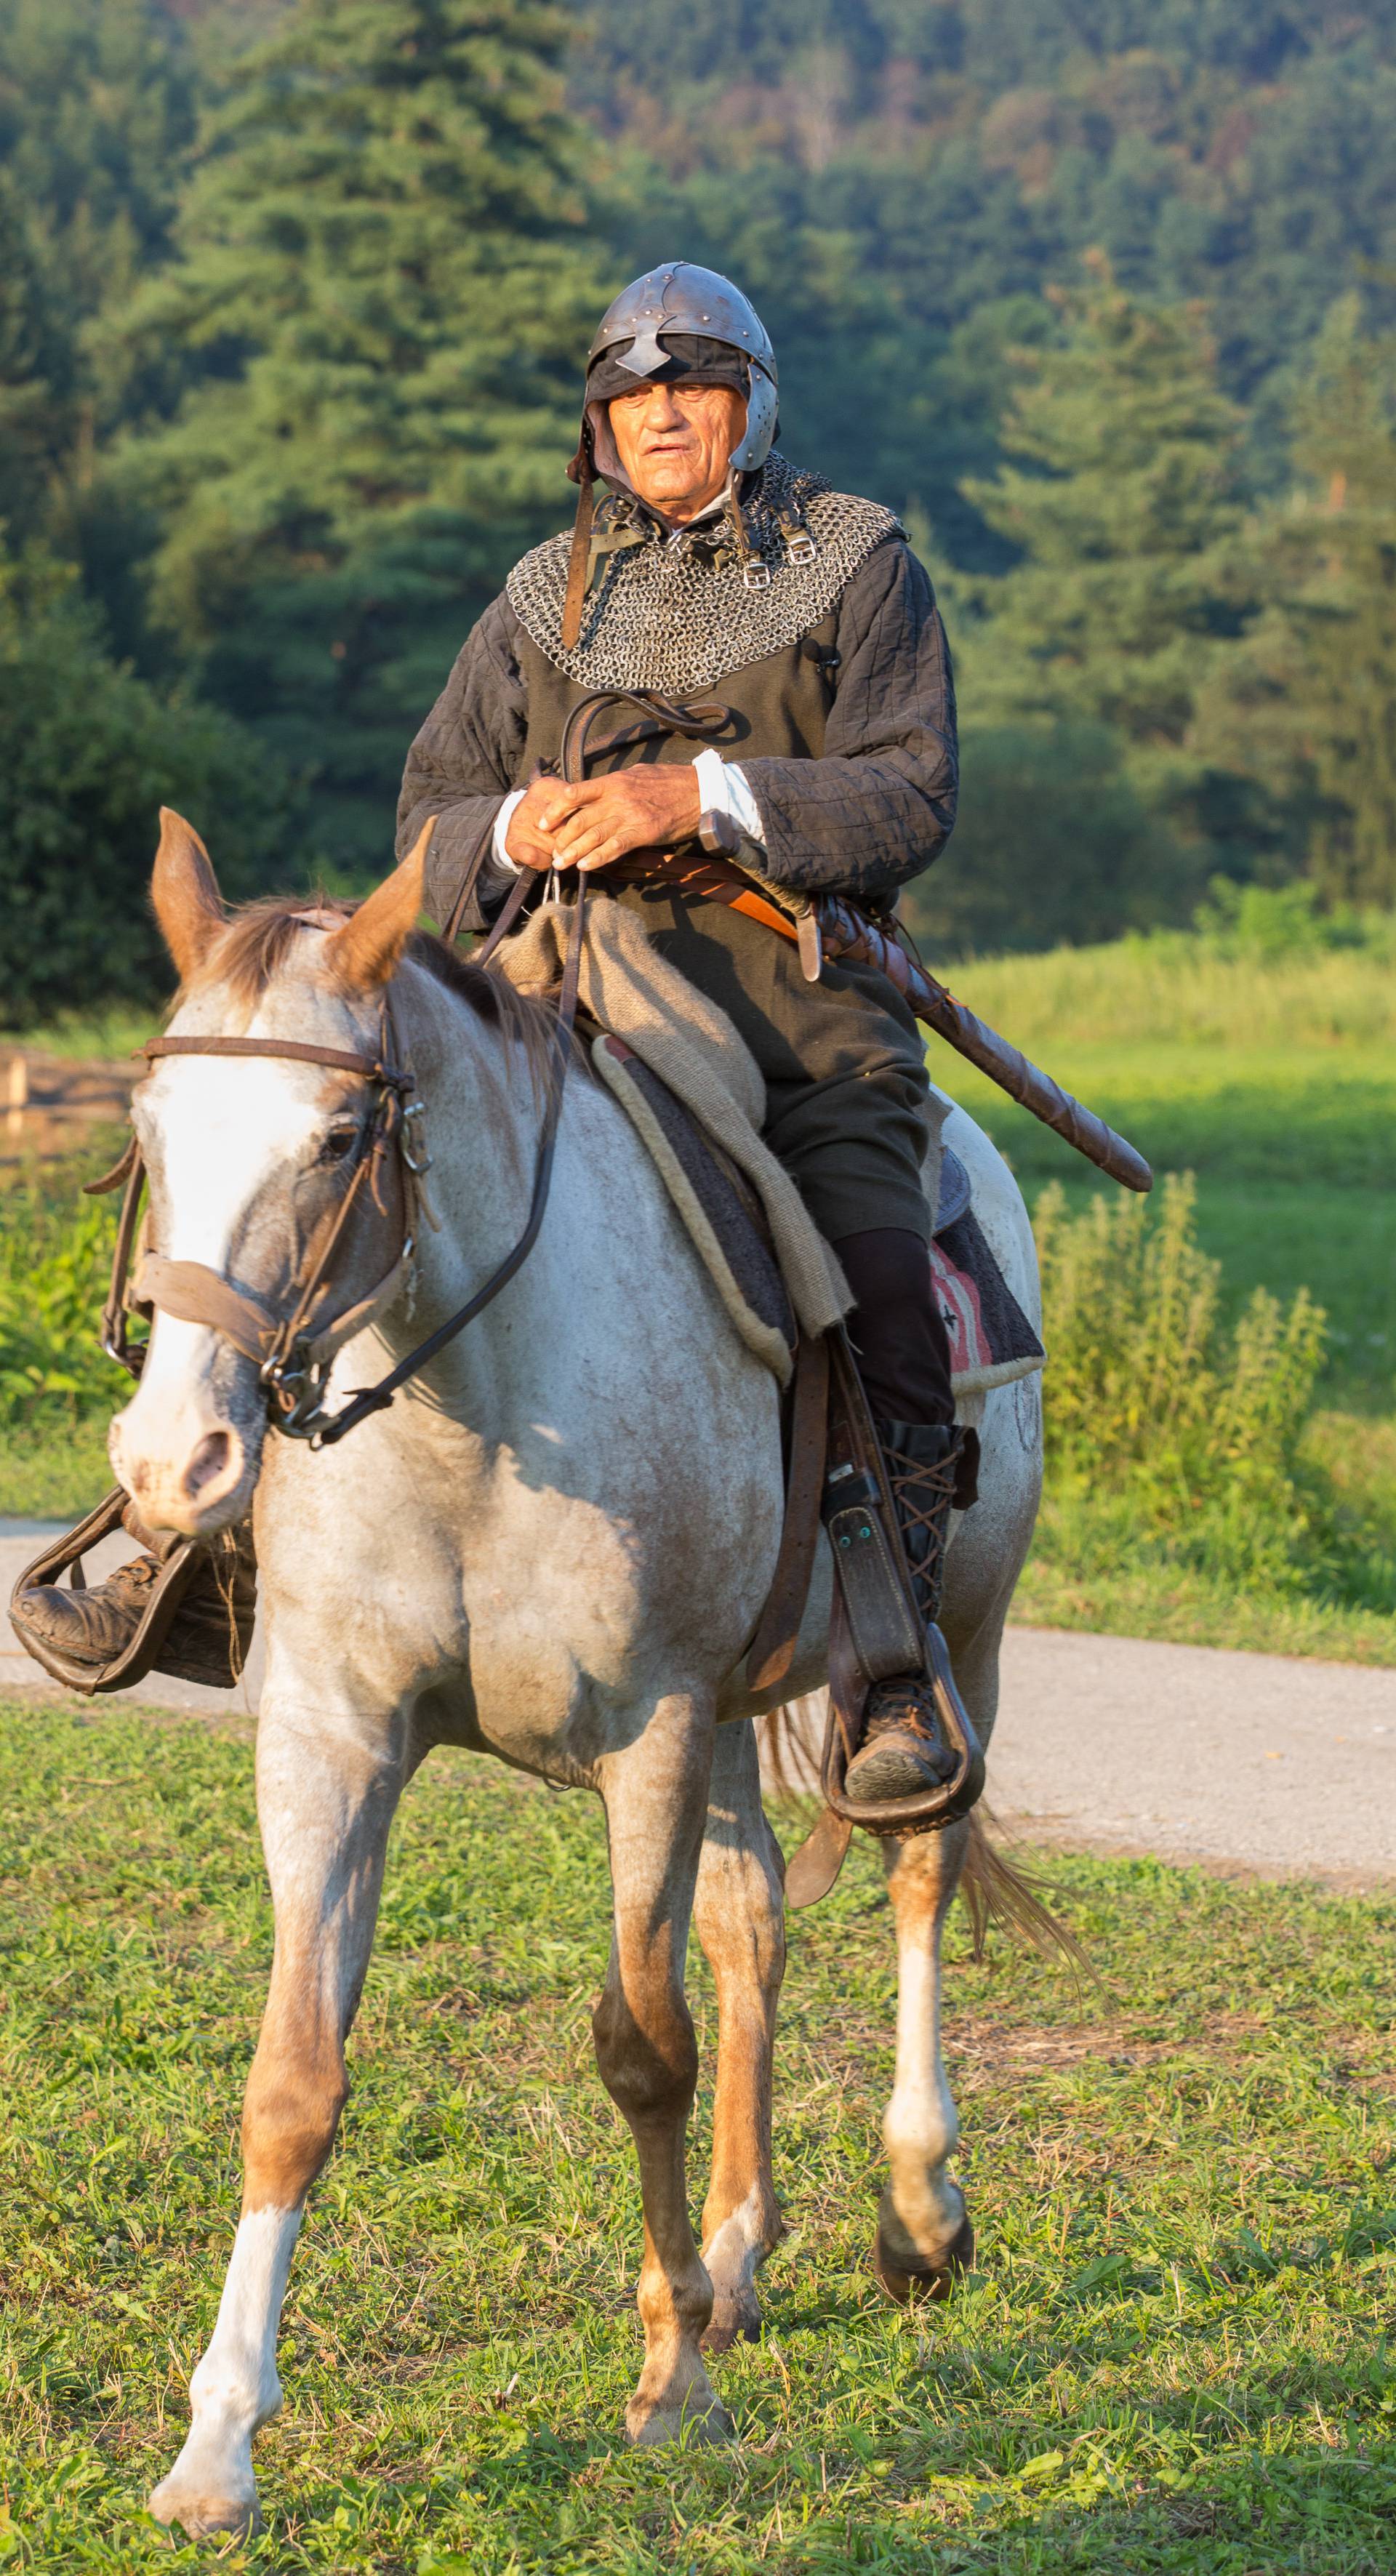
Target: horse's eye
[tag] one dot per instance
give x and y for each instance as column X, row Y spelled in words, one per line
column 339, row 1143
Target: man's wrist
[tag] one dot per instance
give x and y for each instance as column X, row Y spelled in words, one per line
column 502, row 821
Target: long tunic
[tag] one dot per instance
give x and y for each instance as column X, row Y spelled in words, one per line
column 845, row 733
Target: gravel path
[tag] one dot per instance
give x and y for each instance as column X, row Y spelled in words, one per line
column 1278, row 1766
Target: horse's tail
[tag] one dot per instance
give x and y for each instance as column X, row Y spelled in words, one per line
column 994, row 1888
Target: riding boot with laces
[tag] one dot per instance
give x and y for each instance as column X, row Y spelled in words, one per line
column 211, row 1632
column 903, row 1355
column 903, row 1753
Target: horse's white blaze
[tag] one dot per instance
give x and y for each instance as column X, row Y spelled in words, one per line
column 186, row 1455
column 234, row 2389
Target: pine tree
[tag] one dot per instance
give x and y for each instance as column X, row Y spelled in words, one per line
column 1134, row 574
column 1340, row 620
column 1105, row 643
column 383, row 271
column 96, row 114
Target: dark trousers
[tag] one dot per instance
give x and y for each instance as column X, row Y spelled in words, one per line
column 846, row 1112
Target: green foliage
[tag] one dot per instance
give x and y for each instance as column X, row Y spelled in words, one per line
column 384, row 286
column 1340, row 615
column 88, row 752
column 1150, row 1398
column 96, row 115
column 1133, row 584
column 55, row 1258
column 1053, row 841
column 1168, row 2359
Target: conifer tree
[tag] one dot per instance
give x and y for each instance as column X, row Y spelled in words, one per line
column 384, row 271
column 1096, row 656
column 1340, row 544
column 1135, row 574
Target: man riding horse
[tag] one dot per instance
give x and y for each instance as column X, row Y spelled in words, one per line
column 712, row 565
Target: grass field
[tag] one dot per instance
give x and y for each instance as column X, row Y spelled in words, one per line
column 1174, row 2355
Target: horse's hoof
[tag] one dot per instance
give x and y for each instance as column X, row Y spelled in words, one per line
column 906, row 2274
column 650, row 2426
column 732, row 2321
column 204, row 2515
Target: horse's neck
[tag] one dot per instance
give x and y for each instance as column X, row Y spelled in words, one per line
column 483, row 1113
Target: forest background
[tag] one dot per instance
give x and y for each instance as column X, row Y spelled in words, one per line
column 294, row 296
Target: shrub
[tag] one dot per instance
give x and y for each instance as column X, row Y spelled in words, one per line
column 1053, row 842
column 55, row 1257
column 88, row 754
column 1150, row 1399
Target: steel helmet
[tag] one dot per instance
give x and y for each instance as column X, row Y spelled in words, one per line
column 682, row 304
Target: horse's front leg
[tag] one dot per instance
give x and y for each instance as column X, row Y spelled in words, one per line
column 739, row 1910
column 326, row 1793
column 656, row 1797
column 924, row 2237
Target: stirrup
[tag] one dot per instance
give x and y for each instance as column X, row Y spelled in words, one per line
column 931, row 1810
column 166, row 1593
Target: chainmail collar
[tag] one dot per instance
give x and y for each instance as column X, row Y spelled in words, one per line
column 676, row 609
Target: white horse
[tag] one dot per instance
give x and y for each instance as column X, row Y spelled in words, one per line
column 553, row 1548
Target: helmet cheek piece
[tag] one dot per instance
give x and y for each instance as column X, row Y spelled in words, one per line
column 762, row 407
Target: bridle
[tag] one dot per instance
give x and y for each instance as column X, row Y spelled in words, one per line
column 294, row 1347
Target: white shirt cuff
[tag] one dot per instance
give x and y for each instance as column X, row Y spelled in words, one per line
column 723, row 789
column 502, row 821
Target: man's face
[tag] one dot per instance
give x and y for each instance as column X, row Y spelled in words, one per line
column 675, row 443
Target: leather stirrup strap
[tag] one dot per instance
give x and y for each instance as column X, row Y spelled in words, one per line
column 772, row 1649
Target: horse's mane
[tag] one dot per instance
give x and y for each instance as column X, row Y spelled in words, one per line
column 250, row 952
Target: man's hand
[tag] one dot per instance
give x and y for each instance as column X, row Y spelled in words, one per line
column 587, row 826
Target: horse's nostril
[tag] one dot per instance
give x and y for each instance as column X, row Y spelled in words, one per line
column 210, row 1459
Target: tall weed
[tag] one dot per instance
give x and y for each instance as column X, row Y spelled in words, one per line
column 1193, row 1429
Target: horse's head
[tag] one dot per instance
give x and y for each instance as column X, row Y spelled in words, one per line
column 248, row 1158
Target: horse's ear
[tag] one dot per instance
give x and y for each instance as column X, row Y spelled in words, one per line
column 185, row 893
column 366, row 951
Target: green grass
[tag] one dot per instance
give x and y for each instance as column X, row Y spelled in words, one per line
column 1174, row 2354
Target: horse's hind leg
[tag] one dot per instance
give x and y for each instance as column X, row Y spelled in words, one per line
column 656, row 1796
column 739, row 1912
column 325, row 1800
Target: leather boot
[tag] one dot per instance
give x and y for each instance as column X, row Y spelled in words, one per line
column 903, row 1752
column 212, row 1628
